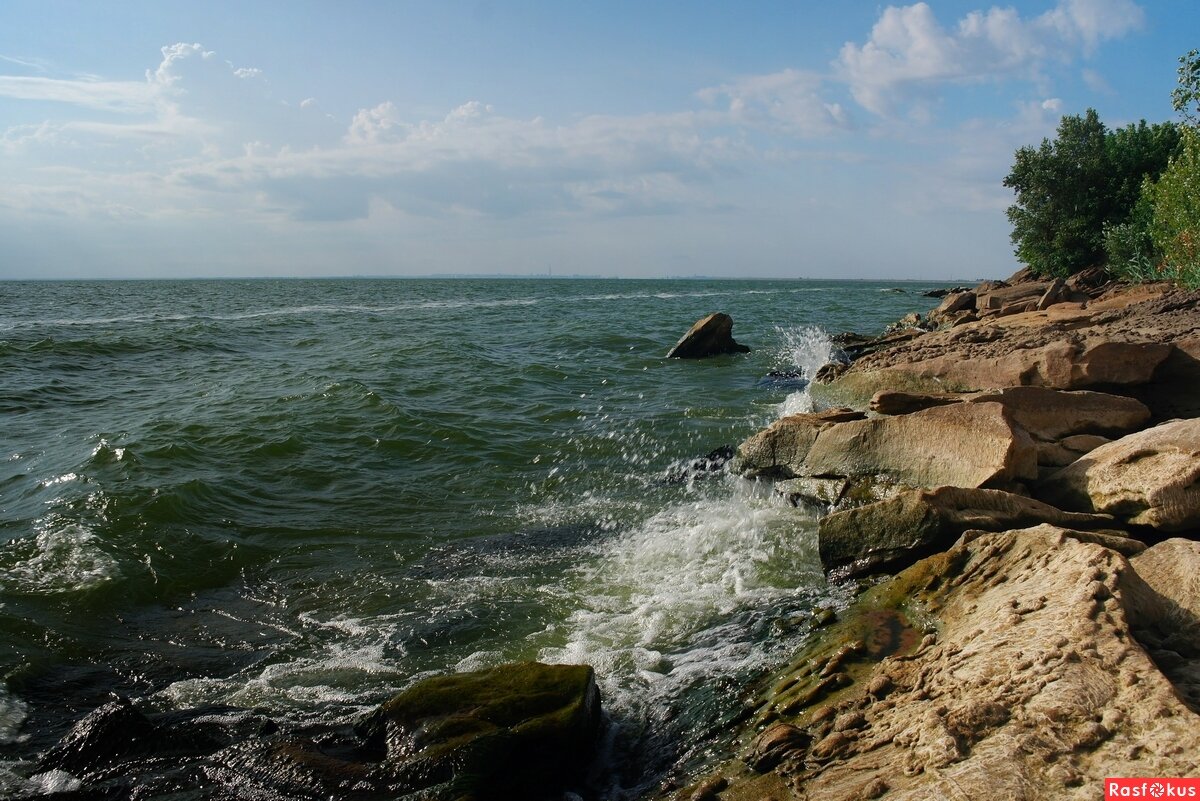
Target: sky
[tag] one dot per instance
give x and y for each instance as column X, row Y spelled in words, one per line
column 761, row 139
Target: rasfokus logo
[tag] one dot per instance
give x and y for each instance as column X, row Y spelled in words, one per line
column 1151, row 788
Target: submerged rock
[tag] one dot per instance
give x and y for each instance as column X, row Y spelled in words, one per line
column 515, row 732
column 710, row 336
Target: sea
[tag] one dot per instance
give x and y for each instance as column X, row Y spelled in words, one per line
column 303, row 496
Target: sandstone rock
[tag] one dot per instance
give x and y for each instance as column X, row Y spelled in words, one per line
column 1055, row 293
column 957, row 302
column 895, row 533
column 1121, row 340
column 966, row 445
column 997, row 299
column 709, row 336
column 1033, row 686
column 894, row 402
column 1147, row 479
column 1174, row 389
column 1050, row 414
column 1168, row 625
column 1113, row 540
column 779, row 450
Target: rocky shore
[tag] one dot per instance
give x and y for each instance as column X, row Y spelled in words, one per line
column 1025, row 459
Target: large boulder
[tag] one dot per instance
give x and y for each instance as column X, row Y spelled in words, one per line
column 710, row 336
column 1028, row 684
column 965, row 445
column 894, row 533
column 779, row 450
column 1148, row 479
column 1168, row 622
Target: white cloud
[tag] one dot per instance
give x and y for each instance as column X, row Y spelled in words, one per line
column 166, row 74
column 790, row 101
column 128, row 97
column 909, row 52
column 247, row 72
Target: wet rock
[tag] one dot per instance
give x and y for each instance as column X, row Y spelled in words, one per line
column 1151, row 478
column 510, row 733
column 518, row 731
column 776, row 451
column 712, row 462
column 895, row 533
column 709, row 336
column 112, row 732
column 776, row 744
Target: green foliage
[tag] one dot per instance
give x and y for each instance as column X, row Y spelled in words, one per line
column 1074, row 187
column 1185, row 98
column 1057, row 218
column 1175, row 226
column 1132, row 255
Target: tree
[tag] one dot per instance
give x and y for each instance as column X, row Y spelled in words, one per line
column 1175, row 227
column 1059, row 214
column 1071, row 189
column 1185, row 98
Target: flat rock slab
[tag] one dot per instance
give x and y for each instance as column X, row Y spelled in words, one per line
column 1151, row 478
column 894, row 533
column 1050, row 414
column 709, row 336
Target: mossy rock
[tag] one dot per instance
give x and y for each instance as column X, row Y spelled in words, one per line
column 519, row 731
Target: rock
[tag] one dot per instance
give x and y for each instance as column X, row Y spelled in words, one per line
column 996, row 299
column 1129, row 338
column 106, row 735
column 1174, row 389
column 778, row 450
column 1147, row 479
column 894, row 402
column 1050, row 414
column 1032, row 687
column 941, row 293
column 509, row 733
column 1172, row 569
column 952, row 305
column 965, row 445
column 1113, row 540
column 894, row 533
column 1055, row 293
column 775, row 744
column 710, row 336
column 516, row 731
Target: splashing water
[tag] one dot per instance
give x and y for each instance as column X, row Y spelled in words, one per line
column 805, row 349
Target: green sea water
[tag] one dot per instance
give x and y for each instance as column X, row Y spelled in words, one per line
column 305, row 495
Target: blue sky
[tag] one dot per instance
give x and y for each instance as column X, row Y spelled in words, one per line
column 773, row 139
